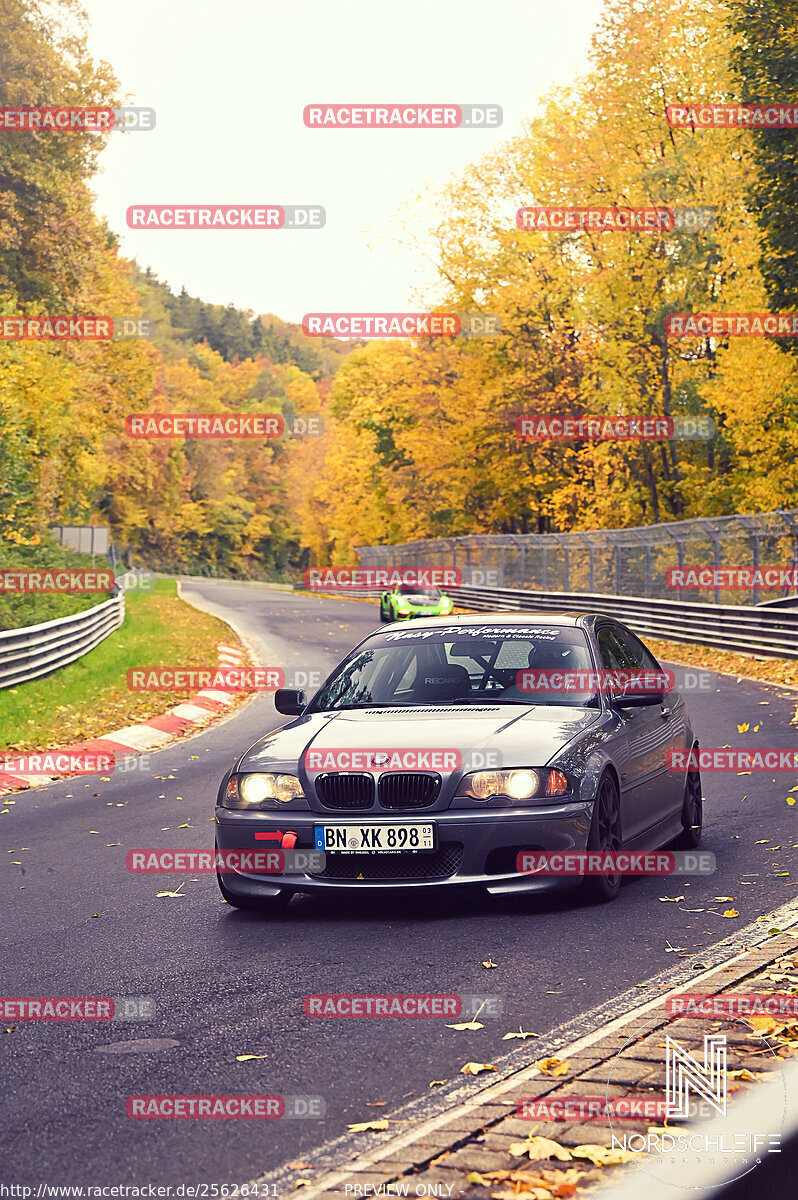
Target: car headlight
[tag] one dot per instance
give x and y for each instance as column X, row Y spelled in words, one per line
column 403, row 606
column 521, row 783
column 257, row 789
column 445, row 602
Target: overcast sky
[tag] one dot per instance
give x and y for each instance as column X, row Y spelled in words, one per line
column 229, row 81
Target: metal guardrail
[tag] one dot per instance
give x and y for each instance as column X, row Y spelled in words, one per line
column 752, row 629
column 36, row 650
column 769, row 631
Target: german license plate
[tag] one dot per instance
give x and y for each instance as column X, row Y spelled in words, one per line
column 375, row 839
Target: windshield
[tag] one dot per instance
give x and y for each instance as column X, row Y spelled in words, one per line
column 517, row 665
column 407, row 589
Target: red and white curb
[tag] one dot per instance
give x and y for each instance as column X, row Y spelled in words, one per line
column 152, row 734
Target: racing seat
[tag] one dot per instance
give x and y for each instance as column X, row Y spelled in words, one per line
column 448, row 682
column 549, row 657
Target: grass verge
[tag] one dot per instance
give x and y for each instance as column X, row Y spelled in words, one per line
column 90, row 697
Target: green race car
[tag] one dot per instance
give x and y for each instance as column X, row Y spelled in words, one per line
column 408, row 600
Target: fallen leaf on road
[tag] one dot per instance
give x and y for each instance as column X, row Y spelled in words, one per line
column 669, row 949
column 769, row 1026
column 176, row 893
column 722, row 899
column 540, row 1185
column 475, row 1068
column 467, row 1025
column 671, row 899
column 244, row 1057
column 489, row 964
column 744, row 727
column 743, row 1074
column 522, row 1033
column 437, row 1082
column 368, row 1126
column 552, row 1066
column 294, row 1166
column 731, row 912
column 540, row 1147
column 603, row 1156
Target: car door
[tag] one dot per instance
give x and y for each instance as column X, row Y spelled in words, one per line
column 672, row 728
column 643, row 738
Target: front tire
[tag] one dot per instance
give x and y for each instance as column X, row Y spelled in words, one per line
column 261, row 904
column 692, row 813
column 605, row 834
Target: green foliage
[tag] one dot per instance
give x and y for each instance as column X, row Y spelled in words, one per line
column 766, row 59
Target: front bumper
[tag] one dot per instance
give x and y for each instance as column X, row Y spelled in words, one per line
column 421, row 612
column 475, row 849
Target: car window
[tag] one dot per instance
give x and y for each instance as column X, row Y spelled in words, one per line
column 441, row 664
column 634, row 647
column 613, row 655
column 621, row 651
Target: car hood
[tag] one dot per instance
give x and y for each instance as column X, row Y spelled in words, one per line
column 528, row 735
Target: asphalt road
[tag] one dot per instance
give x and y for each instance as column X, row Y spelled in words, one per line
column 227, row 983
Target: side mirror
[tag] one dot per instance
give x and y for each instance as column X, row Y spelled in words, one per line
column 630, row 699
column 289, row 702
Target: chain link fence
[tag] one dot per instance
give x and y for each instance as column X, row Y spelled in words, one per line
column 679, row 560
